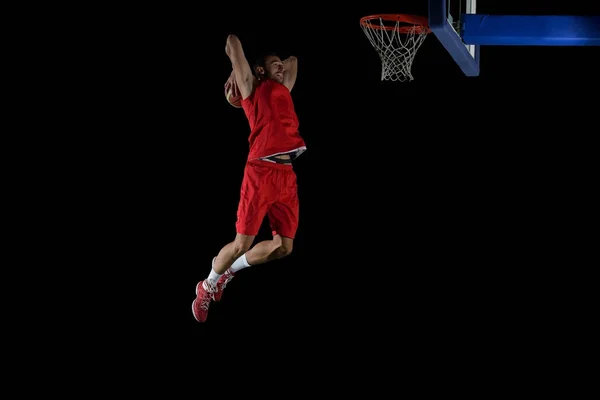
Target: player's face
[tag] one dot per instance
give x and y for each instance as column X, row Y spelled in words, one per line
column 274, row 68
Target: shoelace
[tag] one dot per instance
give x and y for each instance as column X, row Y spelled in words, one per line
column 208, row 295
column 228, row 277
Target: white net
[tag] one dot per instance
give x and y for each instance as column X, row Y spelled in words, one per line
column 397, row 44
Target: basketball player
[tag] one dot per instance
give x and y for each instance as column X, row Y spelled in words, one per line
column 269, row 186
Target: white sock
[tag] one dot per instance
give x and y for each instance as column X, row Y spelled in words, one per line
column 238, row 264
column 213, row 277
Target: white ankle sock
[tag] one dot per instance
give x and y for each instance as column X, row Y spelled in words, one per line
column 238, row 264
column 213, row 277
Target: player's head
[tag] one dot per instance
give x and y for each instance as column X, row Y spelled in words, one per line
column 269, row 66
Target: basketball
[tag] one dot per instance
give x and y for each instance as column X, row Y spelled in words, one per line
column 235, row 101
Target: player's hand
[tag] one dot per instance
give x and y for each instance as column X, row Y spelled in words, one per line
column 231, row 84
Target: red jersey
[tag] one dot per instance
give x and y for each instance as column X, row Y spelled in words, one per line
column 273, row 121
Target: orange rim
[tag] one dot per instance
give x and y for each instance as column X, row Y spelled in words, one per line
column 422, row 23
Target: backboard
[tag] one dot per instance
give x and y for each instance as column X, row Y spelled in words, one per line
column 461, row 30
column 446, row 21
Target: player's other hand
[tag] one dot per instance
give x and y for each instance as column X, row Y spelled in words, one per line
column 231, row 84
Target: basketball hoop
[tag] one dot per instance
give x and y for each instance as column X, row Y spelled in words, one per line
column 396, row 43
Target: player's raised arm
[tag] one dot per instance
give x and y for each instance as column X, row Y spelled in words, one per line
column 290, row 66
column 241, row 68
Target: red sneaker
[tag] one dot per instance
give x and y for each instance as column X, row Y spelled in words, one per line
column 223, row 281
column 203, row 299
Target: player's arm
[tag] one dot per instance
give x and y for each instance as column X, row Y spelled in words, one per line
column 290, row 66
column 241, row 68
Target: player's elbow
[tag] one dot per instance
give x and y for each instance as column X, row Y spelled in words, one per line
column 228, row 45
column 290, row 62
column 232, row 40
column 232, row 43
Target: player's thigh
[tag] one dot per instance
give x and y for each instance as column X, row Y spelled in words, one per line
column 283, row 219
column 254, row 201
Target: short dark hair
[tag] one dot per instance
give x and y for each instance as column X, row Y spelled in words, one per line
column 259, row 61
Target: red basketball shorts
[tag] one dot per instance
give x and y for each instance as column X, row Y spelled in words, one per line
column 268, row 189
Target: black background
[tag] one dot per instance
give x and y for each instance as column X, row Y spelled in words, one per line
column 422, row 203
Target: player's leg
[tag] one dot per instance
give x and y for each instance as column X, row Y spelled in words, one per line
column 212, row 287
column 269, row 250
column 283, row 217
column 252, row 209
column 262, row 252
column 231, row 252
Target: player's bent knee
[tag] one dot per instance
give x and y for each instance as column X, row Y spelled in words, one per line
column 284, row 250
column 242, row 244
column 240, row 249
